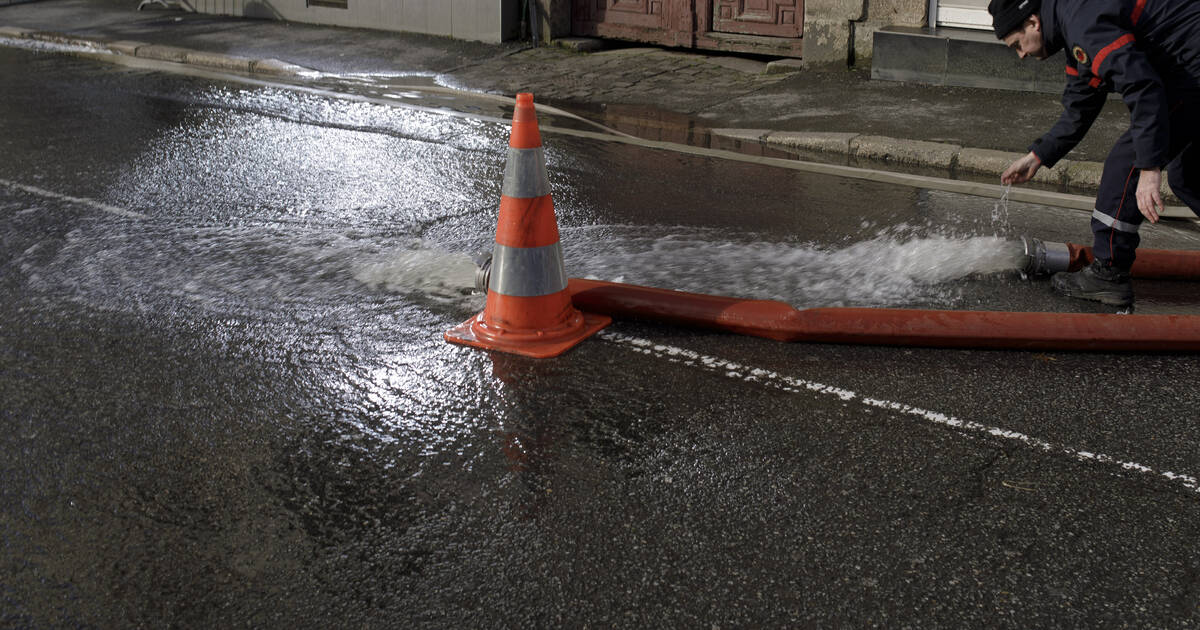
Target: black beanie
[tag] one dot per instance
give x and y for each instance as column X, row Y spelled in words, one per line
column 1007, row 15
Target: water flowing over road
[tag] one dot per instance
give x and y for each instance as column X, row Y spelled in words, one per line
column 227, row 400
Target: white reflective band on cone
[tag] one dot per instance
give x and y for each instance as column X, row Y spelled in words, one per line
column 1113, row 223
column 528, row 271
column 525, row 174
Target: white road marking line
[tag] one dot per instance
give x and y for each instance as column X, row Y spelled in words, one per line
column 92, row 203
column 792, row 384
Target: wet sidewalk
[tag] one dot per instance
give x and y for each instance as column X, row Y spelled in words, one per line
column 836, row 116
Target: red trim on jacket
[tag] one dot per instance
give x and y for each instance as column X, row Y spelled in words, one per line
column 1104, row 52
column 1137, row 11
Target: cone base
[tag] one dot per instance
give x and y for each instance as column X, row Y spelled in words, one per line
column 530, row 345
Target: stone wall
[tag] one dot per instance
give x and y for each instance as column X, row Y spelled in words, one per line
column 840, row 31
column 828, row 34
column 479, row 20
column 836, row 32
column 881, row 13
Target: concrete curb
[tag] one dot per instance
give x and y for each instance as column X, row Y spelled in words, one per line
column 991, row 162
column 1083, row 175
column 51, row 38
column 215, row 60
column 170, row 54
column 163, row 53
column 13, row 32
column 279, row 68
column 827, row 141
column 786, row 66
column 910, row 152
column 125, row 47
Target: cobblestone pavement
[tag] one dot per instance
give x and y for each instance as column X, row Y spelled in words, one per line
column 683, row 83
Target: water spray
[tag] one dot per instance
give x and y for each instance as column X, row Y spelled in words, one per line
column 912, row 327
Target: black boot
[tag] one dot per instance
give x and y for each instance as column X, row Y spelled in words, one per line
column 1098, row 281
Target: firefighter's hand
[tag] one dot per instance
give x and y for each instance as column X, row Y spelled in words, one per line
column 1022, row 170
column 1149, row 199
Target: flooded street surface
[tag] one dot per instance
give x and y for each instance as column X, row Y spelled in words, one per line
column 227, row 402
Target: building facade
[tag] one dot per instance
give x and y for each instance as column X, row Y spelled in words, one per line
column 818, row 31
column 479, row 20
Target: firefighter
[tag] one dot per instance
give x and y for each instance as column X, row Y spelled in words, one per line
column 1148, row 51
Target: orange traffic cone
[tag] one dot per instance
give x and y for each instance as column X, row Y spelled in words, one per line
column 528, row 308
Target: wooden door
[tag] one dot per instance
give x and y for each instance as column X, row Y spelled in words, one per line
column 770, row 18
column 640, row 13
column 666, row 22
column 765, row 27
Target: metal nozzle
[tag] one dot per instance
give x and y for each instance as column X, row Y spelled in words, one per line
column 483, row 275
column 1044, row 258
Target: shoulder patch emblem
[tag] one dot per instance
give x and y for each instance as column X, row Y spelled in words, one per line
column 1079, row 55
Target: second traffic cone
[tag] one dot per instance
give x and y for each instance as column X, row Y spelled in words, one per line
column 528, row 307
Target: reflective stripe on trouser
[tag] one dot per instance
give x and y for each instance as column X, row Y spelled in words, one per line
column 1113, row 223
column 1117, row 197
column 1116, row 219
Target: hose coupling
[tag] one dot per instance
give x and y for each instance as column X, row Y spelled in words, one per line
column 1044, row 257
column 483, row 275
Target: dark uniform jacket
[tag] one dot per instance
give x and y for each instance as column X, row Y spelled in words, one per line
column 1146, row 50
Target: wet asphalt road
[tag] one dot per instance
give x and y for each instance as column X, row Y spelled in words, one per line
column 227, row 401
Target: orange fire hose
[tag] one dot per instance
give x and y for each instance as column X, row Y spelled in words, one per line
column 1150, row 263
column 901, row 327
